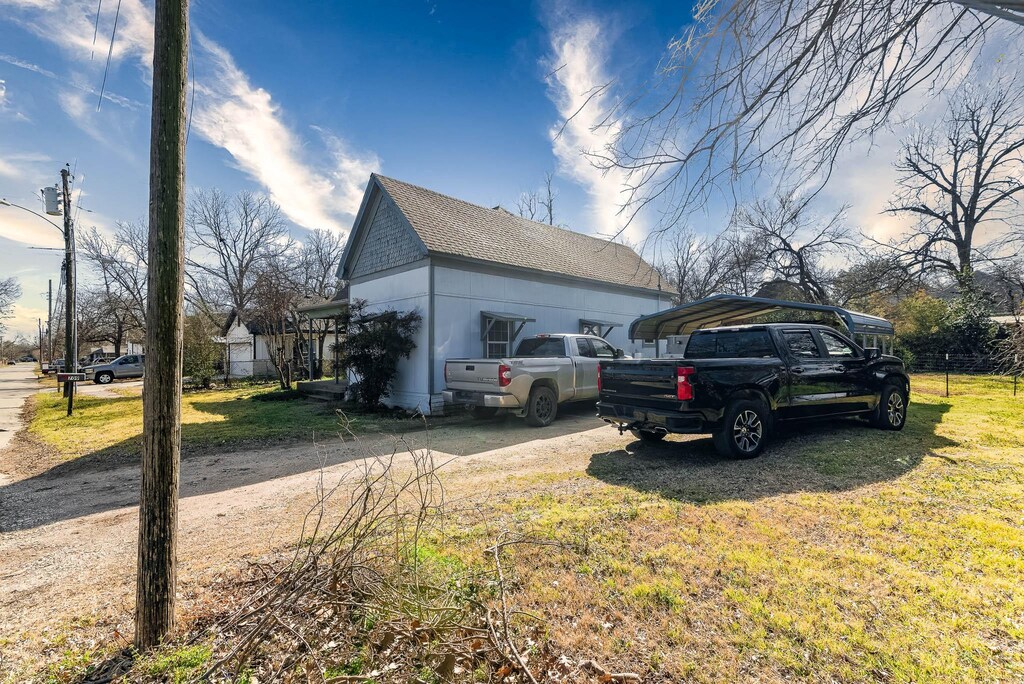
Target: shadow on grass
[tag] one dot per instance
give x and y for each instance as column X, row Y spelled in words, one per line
column 813, row 456
column 245, row 448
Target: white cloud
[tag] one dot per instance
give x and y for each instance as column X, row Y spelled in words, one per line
column 579, row 87
column 317, row 187
column 245, row 120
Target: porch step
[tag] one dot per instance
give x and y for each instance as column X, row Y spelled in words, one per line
column 323, row 390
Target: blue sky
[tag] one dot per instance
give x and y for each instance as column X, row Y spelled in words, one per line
column 303, row 100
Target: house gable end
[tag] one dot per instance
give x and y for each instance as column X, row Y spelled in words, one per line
column 382, row 238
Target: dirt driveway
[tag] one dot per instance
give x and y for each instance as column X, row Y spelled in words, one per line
column 68, row 535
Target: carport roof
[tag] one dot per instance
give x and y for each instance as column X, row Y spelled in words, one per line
column 723, row 310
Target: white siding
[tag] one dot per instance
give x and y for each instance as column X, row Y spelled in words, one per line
column 461, row 294
column 404, row 291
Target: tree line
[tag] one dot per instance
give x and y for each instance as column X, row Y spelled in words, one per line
column 242, row 265
column 960, row 181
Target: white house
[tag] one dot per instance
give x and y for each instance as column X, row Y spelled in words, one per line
column 482, row 278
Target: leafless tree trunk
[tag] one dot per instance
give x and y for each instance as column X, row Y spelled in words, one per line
column 697, row 266
column 229, row 240
column 793, row 244
column 547, row 200
column 781, row 85
column 963, row 180
column 10, row 290
column 161, row 394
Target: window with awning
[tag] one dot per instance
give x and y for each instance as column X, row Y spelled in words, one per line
column 499, row 330
column 592, row 326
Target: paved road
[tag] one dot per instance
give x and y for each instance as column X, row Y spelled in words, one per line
column 16, row 384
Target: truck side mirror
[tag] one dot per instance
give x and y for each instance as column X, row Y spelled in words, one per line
column 872, row 353
column 619, row 353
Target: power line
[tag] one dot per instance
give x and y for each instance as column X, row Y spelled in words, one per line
column 110, row 52
column 96, row 28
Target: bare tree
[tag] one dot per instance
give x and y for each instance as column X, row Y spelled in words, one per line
column 547, row 198
column 963, row 179
column 120, row 265
column 874, row 276
column 782, row 85
column 527, row 205
column 230, row 238
column 793, row 244
column 319, row 255
column 10, row 290
column 274, row 304
column 539, row 205
column 697, row 266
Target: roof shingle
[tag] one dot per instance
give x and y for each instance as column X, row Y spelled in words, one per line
column 455, row 227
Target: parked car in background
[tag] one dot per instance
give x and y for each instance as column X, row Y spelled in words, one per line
column 545, row 371
column 54, row 366
column 738, row 382
column 127, row 366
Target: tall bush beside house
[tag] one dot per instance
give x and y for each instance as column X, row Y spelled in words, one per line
column 200, row 352
column 374, row 344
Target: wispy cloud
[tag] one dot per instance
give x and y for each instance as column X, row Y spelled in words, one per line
column 317, row 186
column 579, row 86
column 246, row 121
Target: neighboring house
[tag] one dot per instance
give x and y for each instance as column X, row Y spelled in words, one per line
column 482, row 278
column 246, row 351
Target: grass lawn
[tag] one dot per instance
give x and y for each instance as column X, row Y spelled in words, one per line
column 209, row 418
column 845, row 554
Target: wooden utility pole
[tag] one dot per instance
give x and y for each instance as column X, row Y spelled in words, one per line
column 70, row 316
column 161, row 394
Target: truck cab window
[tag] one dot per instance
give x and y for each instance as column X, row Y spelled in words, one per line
column 541, row 346
column 603, row 350
column 730, row 344
column 837, row 347
column 583, row 347
column 801, row 344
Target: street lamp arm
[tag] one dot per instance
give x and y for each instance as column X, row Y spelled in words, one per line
column 5, row 203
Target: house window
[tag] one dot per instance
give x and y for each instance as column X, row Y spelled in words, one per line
column 498, row 342
column 589, row 328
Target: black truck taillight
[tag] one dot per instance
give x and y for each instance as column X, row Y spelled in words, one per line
column 504, row 375
column 684, row 389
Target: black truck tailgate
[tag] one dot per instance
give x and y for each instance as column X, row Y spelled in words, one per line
column 640, row 382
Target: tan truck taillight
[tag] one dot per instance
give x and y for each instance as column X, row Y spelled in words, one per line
column 598, row 377
column 446, row 371
column 684, row 390
column 504, row 375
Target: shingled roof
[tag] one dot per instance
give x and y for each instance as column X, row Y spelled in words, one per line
column 454, row 227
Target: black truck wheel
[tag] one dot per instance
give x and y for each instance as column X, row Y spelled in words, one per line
column 648, row 435
column 891, row 412
column 744, row 429
column 485, row 411
column 541, row 407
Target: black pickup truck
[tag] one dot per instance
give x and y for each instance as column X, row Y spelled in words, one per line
column 737, row 382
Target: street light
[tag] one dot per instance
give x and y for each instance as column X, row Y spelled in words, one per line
column 6, row 203
column 70, row 282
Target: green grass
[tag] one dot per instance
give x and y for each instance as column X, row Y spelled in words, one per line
column 844, row 554
column 220, row 417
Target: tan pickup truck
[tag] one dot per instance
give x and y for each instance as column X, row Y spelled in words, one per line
column 546, row 370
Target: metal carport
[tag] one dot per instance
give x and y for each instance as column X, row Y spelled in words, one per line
column 725, row 310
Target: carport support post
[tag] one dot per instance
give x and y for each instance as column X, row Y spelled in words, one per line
column 156, row 582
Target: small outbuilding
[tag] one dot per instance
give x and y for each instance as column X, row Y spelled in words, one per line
column 482, row 278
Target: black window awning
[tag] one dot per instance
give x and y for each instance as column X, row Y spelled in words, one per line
column 602, row 327
column 725, row 310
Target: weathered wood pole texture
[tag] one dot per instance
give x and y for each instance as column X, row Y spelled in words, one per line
column 161, row 394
